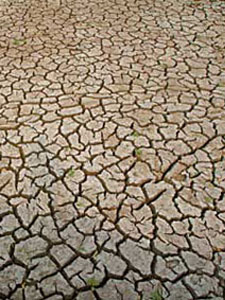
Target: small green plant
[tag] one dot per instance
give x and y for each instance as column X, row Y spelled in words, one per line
column 71, row 172
column 221, row 84
column 163, row 65
column 80, row 204
column 135, row 134
column 93, row 282
column 156, row 295
column 67, row 148
column 82, row 249
column 19, row 42
column 138, row 152
column 208, row 200
column 95, row 254
column 193, row 3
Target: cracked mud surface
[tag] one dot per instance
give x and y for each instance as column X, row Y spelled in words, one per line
column 112, row 168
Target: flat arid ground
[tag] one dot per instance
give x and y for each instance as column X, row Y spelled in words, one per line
column 112, row 149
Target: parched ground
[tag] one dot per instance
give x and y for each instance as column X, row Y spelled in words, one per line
column 112, row 149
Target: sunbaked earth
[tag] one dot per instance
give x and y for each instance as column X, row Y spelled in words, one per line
column 112, row 149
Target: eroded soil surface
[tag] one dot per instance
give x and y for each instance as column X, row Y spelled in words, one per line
column 112, row 168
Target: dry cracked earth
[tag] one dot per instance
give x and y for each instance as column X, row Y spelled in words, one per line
column 112, row 149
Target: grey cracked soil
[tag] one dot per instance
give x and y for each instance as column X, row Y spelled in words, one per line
column 112, row 169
